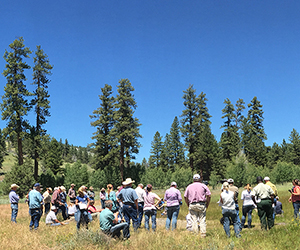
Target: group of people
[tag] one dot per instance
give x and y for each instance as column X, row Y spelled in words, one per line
column 127, row 204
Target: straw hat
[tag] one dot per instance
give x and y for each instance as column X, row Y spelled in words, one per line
column 128, row 181
column 14, row 185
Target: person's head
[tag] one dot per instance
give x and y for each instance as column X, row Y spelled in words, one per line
column 110, row 187
column 49, row 189
column 127, row 182
column 108, row 204
column 14, row 187
column 266, row 179
column 63, row 189
column 141, row 185
column 102, row 190
column 230, row 181
column 259, row 179
column 72, row 202
column 173, row 184
column 248, row 186
column 91, row 188
column 37, row 186
column 149, row 187
column 72, row 185
column 296, row 182
column 225, row 186
column 196, row 178
column 81, row 192
column 54, row 209
column 277, row 198
column 92, row 202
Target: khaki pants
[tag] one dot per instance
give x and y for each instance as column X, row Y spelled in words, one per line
column 198, row 213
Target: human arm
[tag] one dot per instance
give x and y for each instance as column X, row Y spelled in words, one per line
column 187, row 201
column 115, row 221
column 208, row 197
column 136, row 204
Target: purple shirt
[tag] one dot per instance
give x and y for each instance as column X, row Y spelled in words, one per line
column 13, row 197
column 196, row 192
column 172, row 197
column 149, row 200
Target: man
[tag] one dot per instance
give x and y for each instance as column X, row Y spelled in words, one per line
column 269, row 183
column 263, row 196
column 140, row 193
column 14, row 200
column 197, row 197
column 130, row 202
column 51, row 219
column 91, row 193
column 108, row 222
column 72, row 193
column 35, row 200
column 47, row 199
column 57, row 201
column 235, row 190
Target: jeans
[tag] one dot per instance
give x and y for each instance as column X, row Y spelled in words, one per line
column 296, row 206
column 63, row 209
column 14, row 212
column 247, row 211
column 116, row 230
column 141, row 212
column 35, row 218
column 198, row 213
column 102, row 204
column 172, row 214
column 81, row 216
column 228, row 213
column 47, row 207
column 237, row 209
column 131, row 212
column 150, row 213
column 265, row 213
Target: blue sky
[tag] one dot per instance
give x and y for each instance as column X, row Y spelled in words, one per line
column 226, row 49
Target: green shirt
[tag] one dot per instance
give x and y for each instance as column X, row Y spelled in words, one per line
column 106, row 219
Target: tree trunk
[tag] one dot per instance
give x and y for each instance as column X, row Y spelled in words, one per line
column 122, row 159
column 20, row 150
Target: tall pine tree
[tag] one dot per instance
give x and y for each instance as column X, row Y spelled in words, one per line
column 15, row 105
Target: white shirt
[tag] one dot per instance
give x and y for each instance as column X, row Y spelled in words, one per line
column 51, row 217
column 247, row 198
column 228, row 200
column 140, row 193
column 72, row 210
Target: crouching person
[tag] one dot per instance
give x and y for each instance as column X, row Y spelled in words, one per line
column 51, row 219
column 109, row 222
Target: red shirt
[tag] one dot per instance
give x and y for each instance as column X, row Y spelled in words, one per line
column 296, row 197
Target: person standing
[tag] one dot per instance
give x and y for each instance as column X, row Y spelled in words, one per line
column 91, row 193
column 235, row 190
column 111, row 195
column 72, row 192
column 229, row 210
column 150, row 207
column 295, row 197
column 140, row 193
column 248, row 205
column 109, row 222
column 47, row 199
column 63, row 199
column 81, row 203
column 263, row 196
column 269, row 183
column 197, row 197
column 130, row 203
column 102, row 197
column 173, row 199
column 14, row 201
column 35, row 200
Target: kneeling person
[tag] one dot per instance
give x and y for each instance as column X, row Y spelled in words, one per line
column 108, row 222
column 51, row 219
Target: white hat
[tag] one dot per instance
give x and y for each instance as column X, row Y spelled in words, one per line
column 62, row 188
column 196, row 177
column 173, row 183
column 266, row 178
column 14, row 185
column 128, row 181
column 230, row 180
column 53, row 207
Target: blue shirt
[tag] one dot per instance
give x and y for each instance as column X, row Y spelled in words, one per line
column 13, row 197
column 112, row 197
column 82, row 199
column 128, row 194
column 34, row 199
column 106, row 219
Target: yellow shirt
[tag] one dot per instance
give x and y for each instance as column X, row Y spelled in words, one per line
column 271, row 185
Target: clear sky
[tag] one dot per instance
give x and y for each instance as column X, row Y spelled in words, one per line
column 227, row 49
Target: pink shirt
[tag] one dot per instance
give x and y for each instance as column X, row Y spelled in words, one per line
column 196, row 192
column 172, row 197
column 149, row 200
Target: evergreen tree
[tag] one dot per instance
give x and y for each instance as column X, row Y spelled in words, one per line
column 190, row 124
column 166, row 154
column 239, row 108
column 52, row 158
column 294, row 152
column 126, row 128
column 105, row 145
column 253, row 134
column 2, row 148
column 176, row 148
column 15, row 104
column 274, row 155
column 77, row 174
column 156, row 151
column 41, row 71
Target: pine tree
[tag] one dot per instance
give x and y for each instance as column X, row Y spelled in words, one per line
column 294, row 153
column 41, row 71
column 126, row 128
column 15, row 104
column 52, row 158
column 105, row 145
column 156, row 151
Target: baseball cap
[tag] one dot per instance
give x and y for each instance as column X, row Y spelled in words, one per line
column 173, row 183
column 230, row 180
column 266, row 178
column 196, row 177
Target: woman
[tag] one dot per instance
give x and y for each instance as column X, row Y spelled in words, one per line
column 248, row 205
column 102, row 197
column 173, row 199
column 150, row 207
column 295, row 197
column 228, row 210
column 81, row 202
column 111, row 195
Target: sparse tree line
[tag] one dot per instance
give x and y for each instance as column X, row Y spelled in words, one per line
column 189, row 147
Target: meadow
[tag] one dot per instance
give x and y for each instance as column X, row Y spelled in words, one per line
column 285, row 234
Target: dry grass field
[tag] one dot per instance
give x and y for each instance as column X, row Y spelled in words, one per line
column 285, row 234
